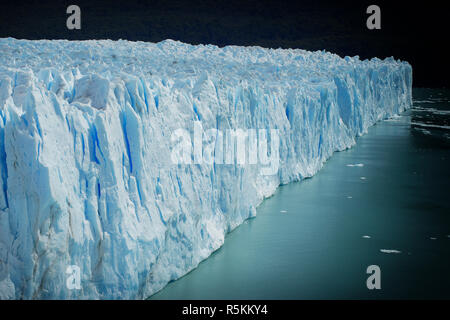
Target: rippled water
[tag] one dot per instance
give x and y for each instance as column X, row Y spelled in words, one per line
column 384, row 202
column 430, row 114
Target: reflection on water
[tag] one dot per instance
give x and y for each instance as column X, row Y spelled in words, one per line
column 384, row 202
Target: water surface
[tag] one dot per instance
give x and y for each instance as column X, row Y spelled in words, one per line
column 315, row 239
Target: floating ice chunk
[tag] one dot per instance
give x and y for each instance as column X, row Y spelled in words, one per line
column 426, row 125
column 394, row 118
column 366, row 237
column 390, row 251
column 283, row 211
column 424, row 131
column 355, row 165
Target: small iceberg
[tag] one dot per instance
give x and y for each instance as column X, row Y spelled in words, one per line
column 390, row 251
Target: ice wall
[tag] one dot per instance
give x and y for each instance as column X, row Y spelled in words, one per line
column 85, row 151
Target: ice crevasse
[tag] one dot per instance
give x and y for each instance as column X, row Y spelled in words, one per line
column 87, row 178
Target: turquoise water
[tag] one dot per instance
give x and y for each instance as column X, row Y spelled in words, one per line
column 314, row 239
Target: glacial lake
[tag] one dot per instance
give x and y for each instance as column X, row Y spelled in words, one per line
column 314, row 239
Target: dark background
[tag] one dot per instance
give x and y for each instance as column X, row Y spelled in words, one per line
column 413, row 31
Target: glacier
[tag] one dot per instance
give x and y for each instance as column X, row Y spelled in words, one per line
column 86, row 173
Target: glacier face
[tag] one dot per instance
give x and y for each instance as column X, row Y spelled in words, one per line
column 85, row 145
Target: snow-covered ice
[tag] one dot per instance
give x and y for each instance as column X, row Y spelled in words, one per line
column 86, row 177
